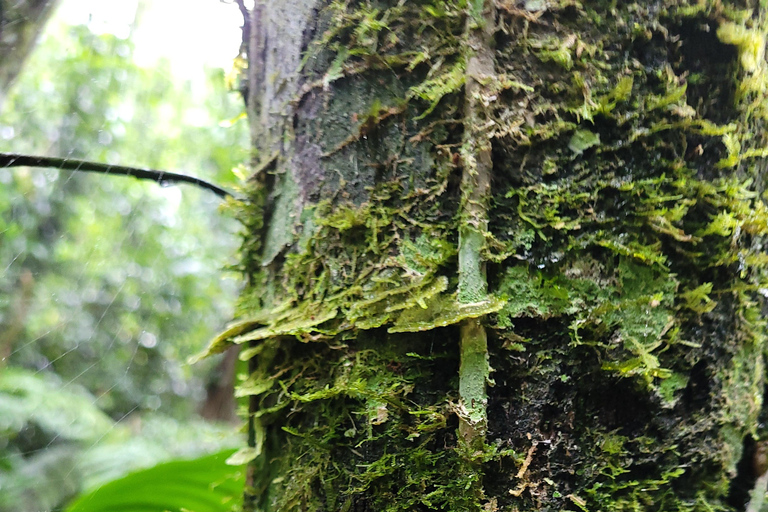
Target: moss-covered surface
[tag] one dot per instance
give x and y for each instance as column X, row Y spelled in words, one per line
column 623, row 250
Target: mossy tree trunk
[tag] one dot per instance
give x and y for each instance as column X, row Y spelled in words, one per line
column 505, row 255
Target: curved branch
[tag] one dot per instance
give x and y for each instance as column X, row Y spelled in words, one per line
column 72, row 164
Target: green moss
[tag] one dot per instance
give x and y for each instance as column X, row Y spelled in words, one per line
column 751, row 44
column 375, row 417
column 613, row 269
column 583, row 140
column 669, row 389
column 533, row 295
column 698, row 299
column 433, row 90
column 296, row 322
column 424, row 253
column 561, row 56
column 630, row 293
column 743, row 380
column 442, row 311
column 634, row 311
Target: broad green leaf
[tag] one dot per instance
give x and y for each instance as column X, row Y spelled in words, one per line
column 206, row 484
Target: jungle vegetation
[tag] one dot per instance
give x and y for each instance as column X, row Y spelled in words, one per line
column 109, row 285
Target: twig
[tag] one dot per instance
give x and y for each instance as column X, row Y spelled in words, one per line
column 72, row 164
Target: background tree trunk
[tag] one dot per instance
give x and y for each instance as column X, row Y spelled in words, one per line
column 21, row 22
column 559, row 199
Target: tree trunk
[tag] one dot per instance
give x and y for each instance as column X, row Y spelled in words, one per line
column 21, row 22
column 505, row 255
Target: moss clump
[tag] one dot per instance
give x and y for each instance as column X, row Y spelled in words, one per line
column 361, row 423
column 751, row 44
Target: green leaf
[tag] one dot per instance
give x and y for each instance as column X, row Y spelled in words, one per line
column 206, row 484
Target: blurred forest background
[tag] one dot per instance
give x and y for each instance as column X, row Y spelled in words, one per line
column 107, row 284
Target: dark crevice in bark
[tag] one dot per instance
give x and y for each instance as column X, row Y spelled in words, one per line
column 699, row 52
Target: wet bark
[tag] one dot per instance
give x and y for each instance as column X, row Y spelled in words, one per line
column 566, row 195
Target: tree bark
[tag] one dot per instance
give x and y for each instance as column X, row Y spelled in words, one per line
column 505, row 255
column 21, row 22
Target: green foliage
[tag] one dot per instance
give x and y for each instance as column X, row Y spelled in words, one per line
column 206, row 484
column 107, row 312
column 58, row 441
column 67, row 413
column 108, row 284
